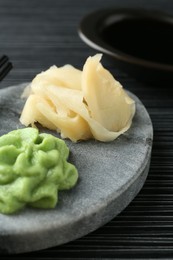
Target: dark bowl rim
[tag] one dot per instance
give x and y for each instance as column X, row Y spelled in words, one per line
column 89, row 34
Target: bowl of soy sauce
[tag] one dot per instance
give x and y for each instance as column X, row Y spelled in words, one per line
column 140, row 42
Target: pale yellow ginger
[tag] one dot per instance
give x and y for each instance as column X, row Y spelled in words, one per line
column 80, row 105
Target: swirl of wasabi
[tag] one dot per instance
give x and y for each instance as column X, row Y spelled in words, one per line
column 33, row 168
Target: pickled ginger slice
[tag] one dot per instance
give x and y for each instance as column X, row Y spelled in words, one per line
column 75, row 102
column 66, row 76
column 75, row 128
column 31, row 113
column 107, row 101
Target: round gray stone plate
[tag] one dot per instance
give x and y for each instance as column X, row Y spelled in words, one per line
column 110, row 176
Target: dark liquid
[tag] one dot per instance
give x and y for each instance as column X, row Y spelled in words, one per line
column 146, row 39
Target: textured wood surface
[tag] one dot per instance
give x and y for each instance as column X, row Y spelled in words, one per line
column 37, row 34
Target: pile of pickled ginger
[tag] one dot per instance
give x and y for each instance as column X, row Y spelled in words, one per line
column 80, row 105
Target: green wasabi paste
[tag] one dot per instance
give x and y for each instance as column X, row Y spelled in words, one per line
column 33, row 168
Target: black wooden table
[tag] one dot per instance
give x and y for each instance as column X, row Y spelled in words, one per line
column 36, row 34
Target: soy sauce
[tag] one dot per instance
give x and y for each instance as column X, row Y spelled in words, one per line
column 147, row 39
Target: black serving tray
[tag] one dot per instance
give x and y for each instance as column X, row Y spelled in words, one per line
column 139, row 41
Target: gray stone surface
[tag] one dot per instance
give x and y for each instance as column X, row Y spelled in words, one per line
column 111, row 174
